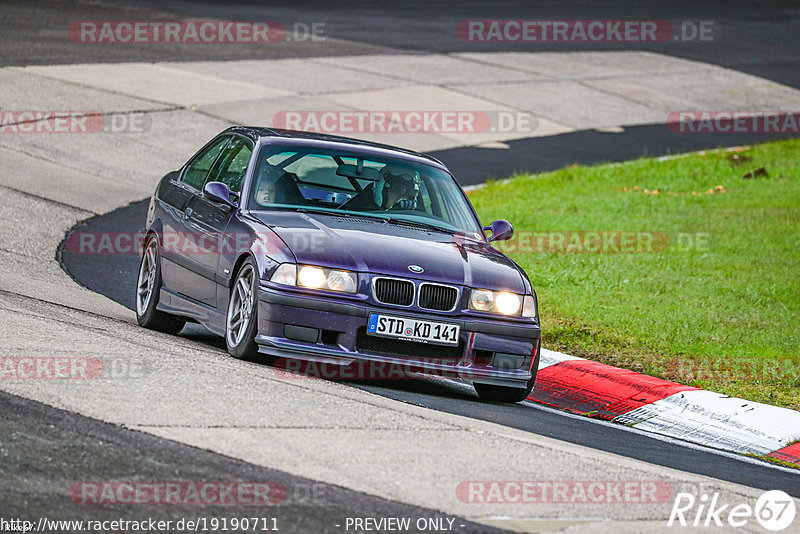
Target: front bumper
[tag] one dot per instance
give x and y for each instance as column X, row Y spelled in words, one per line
column 332, row 332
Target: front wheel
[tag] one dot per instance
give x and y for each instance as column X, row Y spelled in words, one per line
column 241, row 321
column 491, row 393
column 148, row 287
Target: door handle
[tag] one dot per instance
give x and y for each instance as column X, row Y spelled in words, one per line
column 187, row 213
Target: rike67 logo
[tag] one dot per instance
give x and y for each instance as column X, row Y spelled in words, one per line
column 774, row 511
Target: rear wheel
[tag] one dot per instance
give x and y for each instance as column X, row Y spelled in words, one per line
column 148, row 286
column 241, row 321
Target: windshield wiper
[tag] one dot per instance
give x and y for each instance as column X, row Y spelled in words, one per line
column 406, row 222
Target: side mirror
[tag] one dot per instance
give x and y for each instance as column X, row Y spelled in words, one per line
column 501, row 230
column 219, row 193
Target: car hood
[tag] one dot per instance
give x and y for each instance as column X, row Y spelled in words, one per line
column 378, row 247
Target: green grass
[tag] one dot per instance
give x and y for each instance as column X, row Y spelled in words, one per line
column 723, row 314
column 776, row 461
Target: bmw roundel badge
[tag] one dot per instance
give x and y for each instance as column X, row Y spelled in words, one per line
column 416, row 269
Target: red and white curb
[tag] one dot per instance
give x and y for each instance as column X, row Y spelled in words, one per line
column 601, row 391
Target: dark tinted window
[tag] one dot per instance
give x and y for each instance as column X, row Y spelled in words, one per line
column 197, row 170
column 232, row 165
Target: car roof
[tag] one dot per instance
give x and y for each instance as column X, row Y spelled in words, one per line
column 259, row 134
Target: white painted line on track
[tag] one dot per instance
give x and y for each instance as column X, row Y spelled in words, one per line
column 641, row 432
column 550, row 357
column 718, row 421
column 663, row 438
column 708, row 418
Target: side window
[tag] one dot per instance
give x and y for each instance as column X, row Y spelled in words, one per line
column 197, row 170
column 438, row 201
column 424, row 198
column 232, row 165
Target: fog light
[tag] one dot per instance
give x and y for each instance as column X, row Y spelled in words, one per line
column 504, row 360
column 301, row 333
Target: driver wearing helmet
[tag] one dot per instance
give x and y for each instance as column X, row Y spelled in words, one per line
column 266, row 191
column 396, row 189
column 276, row 186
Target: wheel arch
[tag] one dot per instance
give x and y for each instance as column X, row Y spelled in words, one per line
column 237, row 267
column 156, row 229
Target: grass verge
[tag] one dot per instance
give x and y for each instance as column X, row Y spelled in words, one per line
column 686, row 268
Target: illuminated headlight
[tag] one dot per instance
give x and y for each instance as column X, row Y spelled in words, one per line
column 507, row 303
column 314, row 277
column 502, row 302
column 311, row 277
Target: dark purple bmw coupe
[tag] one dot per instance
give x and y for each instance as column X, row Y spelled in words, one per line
column 319, row 248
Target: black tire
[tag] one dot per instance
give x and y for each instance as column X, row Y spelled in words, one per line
column 490, row 393
column 150, row 281
column 241, row 342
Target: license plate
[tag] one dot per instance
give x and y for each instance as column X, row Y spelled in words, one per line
column 413, row 329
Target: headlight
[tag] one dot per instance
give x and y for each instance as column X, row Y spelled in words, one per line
column 481, row 300
column 314, row 277
column 311, row 277
column 342, row 281
column 502, row 302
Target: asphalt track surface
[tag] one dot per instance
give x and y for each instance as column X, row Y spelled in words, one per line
column 757, row 38
column 77, row 448
column 114, row 275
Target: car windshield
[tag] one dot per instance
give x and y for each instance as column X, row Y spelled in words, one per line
column 346, row 183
